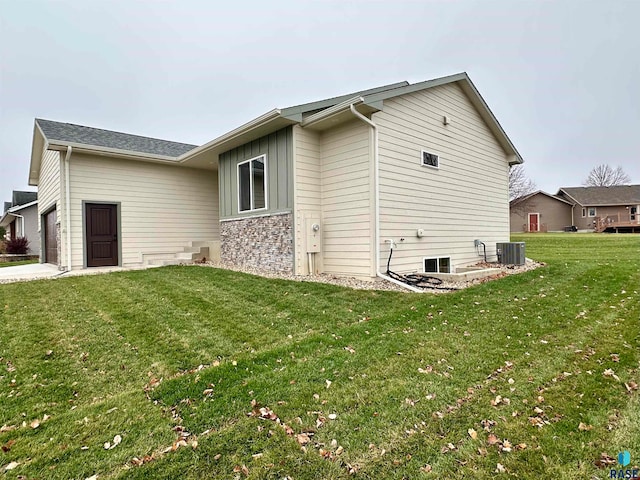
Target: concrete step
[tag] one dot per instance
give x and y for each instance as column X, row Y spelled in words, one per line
column 168, row 261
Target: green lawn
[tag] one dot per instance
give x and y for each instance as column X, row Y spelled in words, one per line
column 15, row 264
column 374, row 384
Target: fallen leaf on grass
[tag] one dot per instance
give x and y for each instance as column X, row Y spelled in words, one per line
column 35, row 424
column 426, row 468
column 631, row 386
column 328, row 383
column 492, row 439
column 303, row 438
column 243, row 469
column 349, row 349
column 605, row 460
column 500, row 468
column 610, row 373
column 11, row 466
column 583, row 427
column 472, row 433
column 7, row 428
column 7, row 446
column 92, row 477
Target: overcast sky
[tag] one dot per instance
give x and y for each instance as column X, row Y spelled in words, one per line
column 561, row 76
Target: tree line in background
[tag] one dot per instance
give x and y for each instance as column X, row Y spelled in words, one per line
column 601, row 176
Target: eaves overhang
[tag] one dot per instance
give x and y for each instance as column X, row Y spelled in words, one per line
column 206, row 156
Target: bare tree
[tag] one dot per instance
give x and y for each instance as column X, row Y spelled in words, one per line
column 519, row 184
column 606, row 176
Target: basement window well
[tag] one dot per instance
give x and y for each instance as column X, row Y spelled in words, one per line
column 437, row 265
column 430, row 159
column 252, row 184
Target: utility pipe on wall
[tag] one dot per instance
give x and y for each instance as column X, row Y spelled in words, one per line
column 68, row 204
column 376, row 187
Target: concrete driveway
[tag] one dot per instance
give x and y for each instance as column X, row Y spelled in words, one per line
column 31, row 271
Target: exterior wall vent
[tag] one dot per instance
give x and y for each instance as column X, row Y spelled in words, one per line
column 510, row 253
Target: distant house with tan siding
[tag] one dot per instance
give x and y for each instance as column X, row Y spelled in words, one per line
column 615, row 208
column 540, row 212
column 320, row 187
column 598, row 209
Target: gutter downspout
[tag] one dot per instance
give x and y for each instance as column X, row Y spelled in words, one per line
column 376, row 167
column 68, row 203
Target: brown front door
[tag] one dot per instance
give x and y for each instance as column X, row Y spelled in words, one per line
column 102, row 234
column 51, row 237
column 534, row 220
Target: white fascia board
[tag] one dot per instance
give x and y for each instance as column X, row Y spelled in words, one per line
column 241, row 130
column 17, row 208
column 111, row 152
column 37, row 147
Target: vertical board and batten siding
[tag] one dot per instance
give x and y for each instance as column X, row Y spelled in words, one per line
column 162, row 207
column 347, row 201
column 308, row 191
column 278, row 149
column 466, row 198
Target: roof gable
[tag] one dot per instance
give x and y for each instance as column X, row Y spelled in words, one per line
column 298, row 112
column 69, row 133
column 602, row 196
column 20, row 197
column 539, row 192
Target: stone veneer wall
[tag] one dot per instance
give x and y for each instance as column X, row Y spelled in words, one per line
column 258, row 242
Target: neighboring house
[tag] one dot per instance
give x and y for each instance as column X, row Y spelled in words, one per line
column 320, row 187
column 20, row 219
column 540, row 212
column 615, row 208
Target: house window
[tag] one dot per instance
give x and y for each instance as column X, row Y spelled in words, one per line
column 437, row 265
column 584, row 212
column 430, row 160
column 592, row 211
column 252, row 184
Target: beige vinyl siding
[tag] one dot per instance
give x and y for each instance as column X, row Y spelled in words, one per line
column 49, row 188
column 308, row 192
column 49, row 182
column 162, row 207
column 347, row 200
column 466, row 198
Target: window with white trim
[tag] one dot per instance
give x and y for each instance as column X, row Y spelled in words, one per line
column 592, row 211
column 252, row 184
column 430, row 159
column 584, row 212
column 437, row 265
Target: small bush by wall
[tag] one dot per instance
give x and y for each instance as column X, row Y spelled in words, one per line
column 18, row 245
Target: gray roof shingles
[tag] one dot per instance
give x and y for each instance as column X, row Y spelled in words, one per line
column 594, row 196
column 71, row 133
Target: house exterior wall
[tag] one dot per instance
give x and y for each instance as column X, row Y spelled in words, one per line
column 347, row 200
column 554, row 215
column 278, row 150
column 611, row 213
column 162, row 207
column 264, row 242
column 307, row 193
column 30, row 215
column 466, row 198
column 49, row 188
